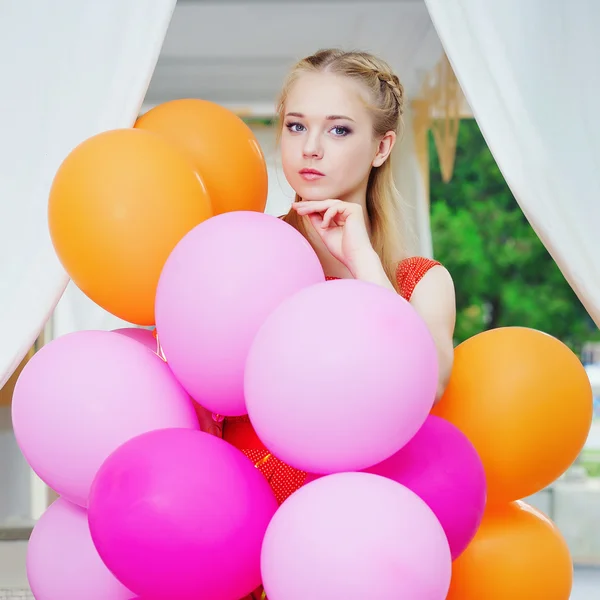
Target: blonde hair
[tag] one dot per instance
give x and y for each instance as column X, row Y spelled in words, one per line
column 386, row 106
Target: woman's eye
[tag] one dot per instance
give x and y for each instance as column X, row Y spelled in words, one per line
column 295, row 127
column 340, row 131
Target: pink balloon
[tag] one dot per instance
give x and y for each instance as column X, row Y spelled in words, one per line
column 355, row 536
column 443, row 468
column 181, row 514
column 340, row 377
column 217, row 287
column 86, row 393
column 146, row 337
column 62, row 561
column 143, row 336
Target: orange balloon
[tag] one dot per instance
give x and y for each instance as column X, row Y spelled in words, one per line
column 524, row 400
column 119, row 204
column 225, row 152
column 517, row 554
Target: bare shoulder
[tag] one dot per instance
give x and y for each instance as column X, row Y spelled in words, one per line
column 435, row 295
column 436, row 280
column 434, row 300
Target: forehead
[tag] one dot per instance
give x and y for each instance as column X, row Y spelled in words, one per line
column 322, row 94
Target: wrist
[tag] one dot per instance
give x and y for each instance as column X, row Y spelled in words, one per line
column 368, row 267
column 364, row 264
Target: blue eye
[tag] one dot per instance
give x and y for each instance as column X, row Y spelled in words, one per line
column 341, row 131
column 295, row 127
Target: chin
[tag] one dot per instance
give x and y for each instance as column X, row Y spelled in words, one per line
column 313, row 192
column 309, row 195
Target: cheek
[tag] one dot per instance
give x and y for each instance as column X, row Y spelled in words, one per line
column 353, row 161
column 289, row 154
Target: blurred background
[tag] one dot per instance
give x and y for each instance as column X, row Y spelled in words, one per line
column 460, row 210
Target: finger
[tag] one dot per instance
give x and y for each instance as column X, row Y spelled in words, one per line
column 330, row 214
column 306, row 207
column 316, row 220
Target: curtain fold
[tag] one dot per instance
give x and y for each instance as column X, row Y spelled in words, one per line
column 71, row 69
column 529, row 70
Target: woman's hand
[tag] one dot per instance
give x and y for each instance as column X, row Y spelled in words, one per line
column 341, row 226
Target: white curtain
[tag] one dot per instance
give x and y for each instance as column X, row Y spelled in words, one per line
column 70, row 69
column 530, row 70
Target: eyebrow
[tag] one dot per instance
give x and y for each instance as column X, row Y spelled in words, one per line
column 328, row 117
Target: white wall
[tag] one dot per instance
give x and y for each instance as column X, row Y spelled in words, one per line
column 281, row 194
column 15, row 476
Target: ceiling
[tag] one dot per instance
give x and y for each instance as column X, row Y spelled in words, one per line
column 237, row 52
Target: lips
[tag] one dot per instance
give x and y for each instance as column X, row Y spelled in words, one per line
column 311, row 174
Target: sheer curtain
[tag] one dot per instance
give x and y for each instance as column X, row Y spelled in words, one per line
column 70, row 69
column 530, row 71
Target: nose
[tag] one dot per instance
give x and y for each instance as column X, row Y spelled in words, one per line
column 312, row 147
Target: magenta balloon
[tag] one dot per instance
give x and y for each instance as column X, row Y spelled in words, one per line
column 443, row 468
column 216, row 289
column 62, row 561
column 340, row 377
column 143, row 336
column 83, row 395
column 181, row 514
column 355, row 536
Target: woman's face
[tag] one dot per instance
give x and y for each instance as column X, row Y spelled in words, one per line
column 327, row 142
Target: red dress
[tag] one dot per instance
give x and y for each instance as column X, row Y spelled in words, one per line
column 238, row 431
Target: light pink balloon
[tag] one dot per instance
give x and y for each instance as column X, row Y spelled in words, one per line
column 355, row 536
column 216, row 289
column 146, row 337
column 143, row 336
column 83, row 395
column 340, row 377
column 62, row 562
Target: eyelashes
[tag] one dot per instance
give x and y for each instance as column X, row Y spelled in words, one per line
column 339, row 130
column 292, row 125
column 345, row 130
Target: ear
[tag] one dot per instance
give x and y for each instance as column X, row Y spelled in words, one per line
column 386, row 144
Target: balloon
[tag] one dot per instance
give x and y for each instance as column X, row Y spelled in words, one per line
column 143, row 336
column 340, row 377
column 525, row 402
column 440, row 465
column 86, row 393
column 149, row 339
column 518, row 553
column 62, row 561
column 217, row 288
column 118, row 205
column 224, row 151
column 355, row 536
column 181, row 514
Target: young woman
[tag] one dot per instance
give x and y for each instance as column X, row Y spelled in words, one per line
column 340, row 113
